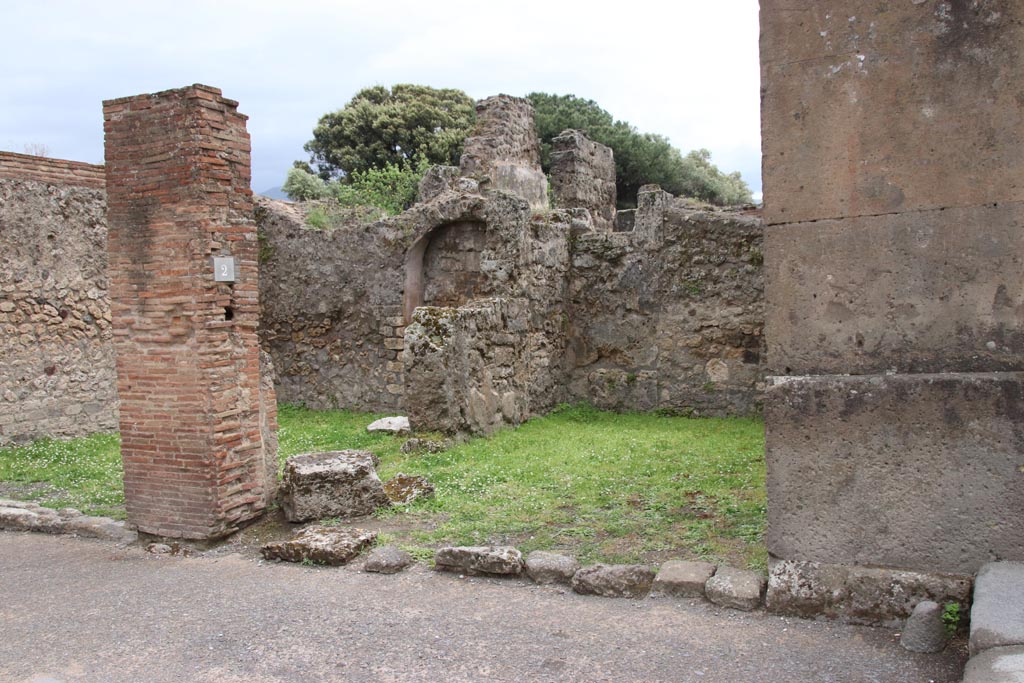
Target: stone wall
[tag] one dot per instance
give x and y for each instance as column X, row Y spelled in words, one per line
column 51, row 171
column 669, row 316
column 332, row 307
column 504, row 151
column 583, row 177
column 894, row 255
column 57, row 375
column 196, row 419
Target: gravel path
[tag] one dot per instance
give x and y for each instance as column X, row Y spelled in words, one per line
column 74, row 610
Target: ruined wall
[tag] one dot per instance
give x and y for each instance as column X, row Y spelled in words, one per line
column 895, row 263
column 57, row 375
column 504, row 152
column 468, row 366
column 583, row 177
column 195, row 414
column 670, row 315
column 51, row 171
column 332, row 307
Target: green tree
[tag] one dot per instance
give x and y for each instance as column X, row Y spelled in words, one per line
column 392, row 188
column 640, row 158
column 381, row 126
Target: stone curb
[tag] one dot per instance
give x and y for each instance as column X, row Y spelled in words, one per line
column 17, row 515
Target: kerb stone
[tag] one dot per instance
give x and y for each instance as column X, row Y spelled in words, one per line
column 735, row 588
column 997, row 616
column 683, row 579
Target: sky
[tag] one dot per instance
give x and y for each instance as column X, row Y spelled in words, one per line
column 687, row 70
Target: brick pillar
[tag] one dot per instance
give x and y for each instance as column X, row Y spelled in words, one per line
column 194, row 417
column 893, row 138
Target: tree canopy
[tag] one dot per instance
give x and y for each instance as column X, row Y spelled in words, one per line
column 640, row 158
column 384, row 130
column 381, row 127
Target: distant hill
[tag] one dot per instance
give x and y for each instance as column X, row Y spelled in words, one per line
column 274, row 193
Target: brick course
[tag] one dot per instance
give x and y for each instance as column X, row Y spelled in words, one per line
column 193, row 418
column 52, row 171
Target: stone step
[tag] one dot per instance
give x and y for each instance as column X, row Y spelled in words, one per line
column 997, row 616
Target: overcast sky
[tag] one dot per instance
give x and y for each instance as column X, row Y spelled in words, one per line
column 686, row 69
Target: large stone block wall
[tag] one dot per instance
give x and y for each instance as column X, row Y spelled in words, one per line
column 51, row 171
column 196, row 420
column 893, row 249
column 57, row 375
column 670, row 315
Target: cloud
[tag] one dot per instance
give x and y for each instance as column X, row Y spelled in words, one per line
column 685, row 70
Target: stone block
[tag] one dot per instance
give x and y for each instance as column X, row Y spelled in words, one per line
column 394, row 425
column 924, row 630
column 736, row 588
column 387, row 560
column 480, row 560
column 998, row 665
column 321, row 545
column 545, row 567
column 934, row 291
column 869, row 112
column 614, row 581
column 405, row 488
column 919, row 472
column 997, row 616
column 683, row 579
column 331, row 484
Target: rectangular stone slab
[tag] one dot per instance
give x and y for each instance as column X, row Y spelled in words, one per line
column 872, row 108
column 932, row 291
column 921, row 472
column 997, row 616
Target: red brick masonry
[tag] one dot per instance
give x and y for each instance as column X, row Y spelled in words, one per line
column 177, row 173
column 54, row 171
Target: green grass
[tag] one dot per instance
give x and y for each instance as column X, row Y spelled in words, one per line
column 81, row 473
column 603, row 486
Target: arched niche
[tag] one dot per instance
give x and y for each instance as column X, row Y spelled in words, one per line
column 442, row 268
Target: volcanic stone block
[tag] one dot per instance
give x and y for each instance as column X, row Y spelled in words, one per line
column 683, row 579
column 870, row 111
column 331, row 484
column 545, row 567
column 875, row 596
column 998, row 665
column 485, row 560
column 735, row 588
column 927, row 291
column 997, row 616
column 913, row 471
column 614, row 581
column 387, row 560
column 320, row 545
column 924, row 630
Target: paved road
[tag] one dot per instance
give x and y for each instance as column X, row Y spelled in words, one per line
column 73, row 610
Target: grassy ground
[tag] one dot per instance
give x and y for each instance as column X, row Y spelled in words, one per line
column 608, row 487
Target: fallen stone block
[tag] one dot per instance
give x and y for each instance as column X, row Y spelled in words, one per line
column 614, row 581
column 997, row 616
column 924, row 630
column 415, row 445
column 331, row 484
column 545, row 567
column 387, row 560
column 320, row 545
column 405, row 488
column 394, row 425
column 996, row 665
column 25, row 516
column 476, row 560
column 735, row 588
column 682, row 579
